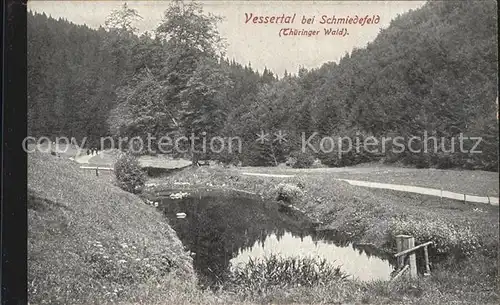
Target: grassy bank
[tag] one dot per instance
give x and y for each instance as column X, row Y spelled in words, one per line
column 90, row 242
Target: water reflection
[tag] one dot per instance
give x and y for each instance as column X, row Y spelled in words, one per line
column 224, row 228
column 353, row 262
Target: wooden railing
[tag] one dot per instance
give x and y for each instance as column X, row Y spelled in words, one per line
column 97, row 168
column 407, row 259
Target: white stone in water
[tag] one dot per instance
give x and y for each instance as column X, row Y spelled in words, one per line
column 181, row 183
column 179, row 195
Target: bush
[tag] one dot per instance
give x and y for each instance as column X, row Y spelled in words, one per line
column 227, row 158
column 458, row 240
column 288, row 192
column 129, row 174
column 317, row 163
column 444, row 161
column 256, row 154
column 298, row 159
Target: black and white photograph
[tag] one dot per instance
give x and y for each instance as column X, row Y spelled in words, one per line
column 262, row 152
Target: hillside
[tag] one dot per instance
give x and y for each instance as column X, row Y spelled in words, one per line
column 91, row 242
column 432, row 71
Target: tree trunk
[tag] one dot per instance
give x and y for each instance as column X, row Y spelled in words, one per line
column 195, row 157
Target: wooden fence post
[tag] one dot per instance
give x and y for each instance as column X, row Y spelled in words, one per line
column 405, row 242
column 399, row 248
column 427, row 268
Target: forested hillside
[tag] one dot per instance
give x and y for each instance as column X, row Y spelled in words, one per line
column 433, row 71
column 78, row 75
column 72, row 77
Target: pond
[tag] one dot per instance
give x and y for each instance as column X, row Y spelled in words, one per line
column 225, row 229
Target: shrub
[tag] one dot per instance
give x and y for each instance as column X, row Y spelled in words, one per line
column 227, row 158
column 276, row 271
column 129, row 174
column 256, row 154
column 336, row 159
column 298, row 159
column 448, row 238
column 317, row 163
column 288, row 192
column 444, row 161
column 330, row 159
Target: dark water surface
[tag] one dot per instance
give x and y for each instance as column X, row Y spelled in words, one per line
column 225, row 229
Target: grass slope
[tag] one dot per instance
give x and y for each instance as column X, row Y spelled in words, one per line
column 91, row 242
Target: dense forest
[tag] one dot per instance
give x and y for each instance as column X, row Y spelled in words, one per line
column 433, row 71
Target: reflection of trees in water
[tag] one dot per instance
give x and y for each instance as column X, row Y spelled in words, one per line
column 331, row 237
column 341, row 240
column 362, row 251
column 278, row 232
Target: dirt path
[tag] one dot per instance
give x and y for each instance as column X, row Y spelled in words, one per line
column 268, row 175
column 425, row 191
column 404, row 188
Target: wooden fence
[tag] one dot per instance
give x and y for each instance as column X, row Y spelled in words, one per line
column 426, row 191
column 97, row 169
column 407, row 259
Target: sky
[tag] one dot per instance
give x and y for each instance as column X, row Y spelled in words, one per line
column 257, row 43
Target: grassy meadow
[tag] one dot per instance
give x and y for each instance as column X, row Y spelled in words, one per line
column 90, row 242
